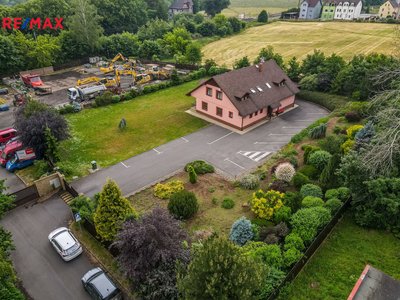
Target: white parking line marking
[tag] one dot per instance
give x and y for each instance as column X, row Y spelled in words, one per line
column 158, row 152
column 210, row 143
column 125, row 165
column 227, row 159
column 254, row 155
column 186, row 141
column 262, row 156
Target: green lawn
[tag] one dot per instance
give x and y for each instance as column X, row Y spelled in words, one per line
column 152, row 120
column 251, row 8
column 301, row 38
column 334, row 269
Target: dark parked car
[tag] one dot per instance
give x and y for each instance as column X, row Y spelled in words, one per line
column 100, row 286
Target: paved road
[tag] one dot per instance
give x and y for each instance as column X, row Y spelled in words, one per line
column 44, row 274
column 13, row 183
column 230, row 152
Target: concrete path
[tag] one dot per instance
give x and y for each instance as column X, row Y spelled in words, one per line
column 44, row 274
column 230, row 152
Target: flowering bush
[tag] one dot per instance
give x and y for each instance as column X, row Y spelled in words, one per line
column 347, row 146
column 264, row 204
column 241, row 231
column 249, row 182
column 166, row 190
column 285, row 172
column 352, row 130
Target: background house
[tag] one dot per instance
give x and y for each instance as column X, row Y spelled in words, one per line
column 348, row 9
column 310, row 9
column 328, row 10
column 180, row 6
column 390, row 9
column 244, row 97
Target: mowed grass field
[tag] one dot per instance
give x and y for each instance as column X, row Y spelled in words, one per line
column 336, row 266
column 152, row 120
column 301, row 38
column 251, row 8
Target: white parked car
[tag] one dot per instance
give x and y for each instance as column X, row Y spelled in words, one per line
column 65, row 243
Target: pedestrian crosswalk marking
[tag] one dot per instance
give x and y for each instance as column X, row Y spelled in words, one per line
column 255, row 155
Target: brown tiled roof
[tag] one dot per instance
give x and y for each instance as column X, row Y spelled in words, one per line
column 239, row 83
column 394, row 3
column 336, row 2
column 312, row 3
column 179, row 4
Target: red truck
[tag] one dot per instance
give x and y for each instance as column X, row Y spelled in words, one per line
column 7, row 134
column 32, row 80
column 9, row 151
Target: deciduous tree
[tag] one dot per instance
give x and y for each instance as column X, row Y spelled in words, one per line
column 213, row 7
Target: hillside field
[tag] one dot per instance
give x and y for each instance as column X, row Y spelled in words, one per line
column 251, row 8
column 301, row 38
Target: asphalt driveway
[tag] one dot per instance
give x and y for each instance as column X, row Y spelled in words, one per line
column 13, row 183
column 230, row 152
column 44, row 274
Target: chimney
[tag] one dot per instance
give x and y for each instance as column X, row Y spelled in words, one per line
column 261, row 66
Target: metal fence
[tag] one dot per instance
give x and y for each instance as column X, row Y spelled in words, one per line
column 311, row 249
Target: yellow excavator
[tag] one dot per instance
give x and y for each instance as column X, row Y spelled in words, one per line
column 111, row 67
column 107, row 82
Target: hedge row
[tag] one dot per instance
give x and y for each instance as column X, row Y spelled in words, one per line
column 328, row 101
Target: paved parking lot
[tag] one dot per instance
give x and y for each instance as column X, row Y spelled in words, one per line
column 13, row 183
column 44, row 274
column 230, row 152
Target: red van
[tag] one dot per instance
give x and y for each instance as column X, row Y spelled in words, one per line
column 7, row 134
column 8, row 152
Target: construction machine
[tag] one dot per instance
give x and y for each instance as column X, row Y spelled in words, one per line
column 142, row 78
column 111, row 67
column 108, row 82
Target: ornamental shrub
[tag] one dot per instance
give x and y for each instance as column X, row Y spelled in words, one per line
column 192, row 175
column 307, row 221
column 308, row 150
column 352, row 130
column 271, row 281
column 227, row 203
column 318, row 132
column 333, row 205
column 200, row 167
column 344, row 193
column 292, row 200
column 365, row 135
column 299, row 179
column 283, row 214
column 310, row 171
column 183, row 205
column 249, row 182
column 241, row 231
column 310, row 190
column 271, row 239
column 166, row 190
column 264, row 204
column 331, row 193
column 347, row 146
column 311, row 201
column 270, row 255
column 319, row 159
column 352, row 116
column 291, row 256
column 285, row 172
column 278, row 185
column 293, row 240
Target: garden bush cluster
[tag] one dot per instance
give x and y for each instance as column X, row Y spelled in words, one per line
column 166, row 190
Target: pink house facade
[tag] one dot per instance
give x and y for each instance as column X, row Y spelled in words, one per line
column 244, row 97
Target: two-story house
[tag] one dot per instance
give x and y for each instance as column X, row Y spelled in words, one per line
column 328, row 10
column 390, row 9
column 244, row 97
column 180, row 6
column 310, row 9
column 348, row 9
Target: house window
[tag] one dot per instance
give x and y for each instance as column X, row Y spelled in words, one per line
column 261, row 110
column 256, row 113
column 230, row 114
column 204, row 105
column 219, row 95
column 219, row 111
column 250, row 116
column 209, row 92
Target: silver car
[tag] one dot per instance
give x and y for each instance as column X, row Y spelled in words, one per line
column 65, row 243
column 100, row 286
